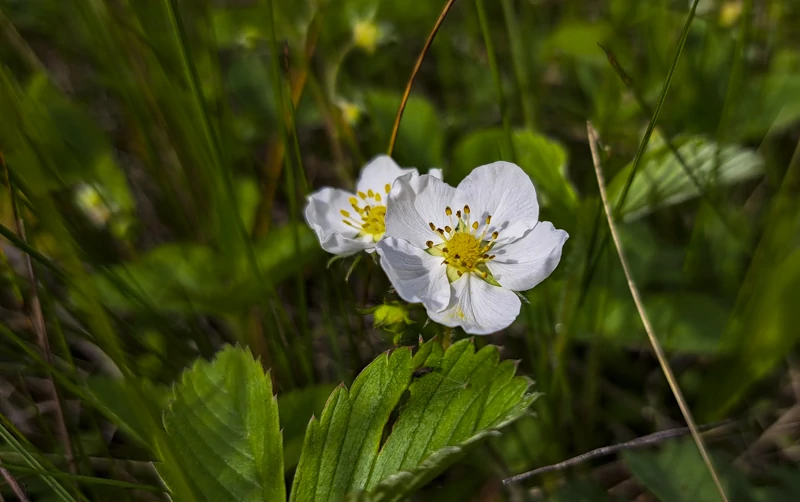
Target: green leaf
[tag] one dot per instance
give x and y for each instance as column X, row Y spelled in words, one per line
column 465, row 397
column 577, row 39
column 111, row 397
column 662, row 181
column 420, row 140
column 762, row 337
column 194, row 278
column 223, row 423
column 685, row 321
column 677, row 473
column 56, row 144
column 340, row 448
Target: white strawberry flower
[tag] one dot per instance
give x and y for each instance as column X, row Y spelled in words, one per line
column 347, row 223
column 463, row 252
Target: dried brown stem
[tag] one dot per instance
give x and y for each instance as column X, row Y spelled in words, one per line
column 37, row 321
column 414, row 72
column 648, row 440
column 12, row 483
column 648, row 327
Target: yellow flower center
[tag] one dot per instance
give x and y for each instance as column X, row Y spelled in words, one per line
column 369, row 214
column 464, row 249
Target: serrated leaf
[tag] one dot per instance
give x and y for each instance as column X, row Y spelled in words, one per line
column 662, row 181
column 465, row 398
column 223, row 423
column 340, row 448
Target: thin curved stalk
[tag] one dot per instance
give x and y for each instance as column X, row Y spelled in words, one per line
column 414, row 72
column 648, row 327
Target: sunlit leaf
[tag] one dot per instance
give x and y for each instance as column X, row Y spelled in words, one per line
column 465, row 397
column 223, row 422
column 662, row 181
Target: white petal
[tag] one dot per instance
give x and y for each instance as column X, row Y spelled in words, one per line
column 524, row 263
column 435, row 172
column 417, row 276
column 478, row 307
column 505, row 192
column 379, row 172
column 324, row 217
column 414, row 202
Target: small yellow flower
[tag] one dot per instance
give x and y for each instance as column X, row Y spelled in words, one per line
column 365, row 35
column 350, row 111
column 729, row 13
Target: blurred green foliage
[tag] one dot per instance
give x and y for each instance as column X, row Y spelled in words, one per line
column 160, row 152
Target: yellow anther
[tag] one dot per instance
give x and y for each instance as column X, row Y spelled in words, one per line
column 495, row 235
column 448, row 229
column 466, row 209
column 475, row 225
column 448, row 211
column 433, row 227
column 458, row 214
column 370, row 193
column 429, row 244
column 488, row 219
column 353, row 201
column 388, row 188
column 345, row 213
column 362, row 195
column 378, row 197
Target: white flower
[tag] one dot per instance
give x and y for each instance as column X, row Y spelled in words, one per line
column 347, row 223
column 463, row 252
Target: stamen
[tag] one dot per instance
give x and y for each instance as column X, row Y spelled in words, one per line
column 378, row 197
column 460, row 273
column 370, row 193
column 429, row 244
column 488, row 219
column 458, row 214
column 353, row 201
column 466, row 209
column 440, row 231
column 362, row 195
column 345, row 213
column 388, row 188
column 475, row 226
column 495, row 235
column 433, row 227
column 492, row 257
column 448, row 211
column 445, row 250
column 447, row 229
